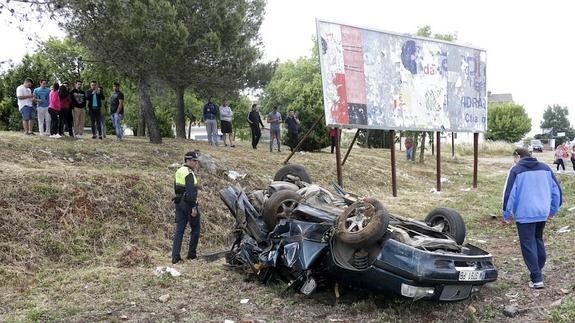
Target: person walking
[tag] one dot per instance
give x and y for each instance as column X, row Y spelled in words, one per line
column 42, row 95
column 54, row 110
column 26, row 105
column 66, row 110
column 95, row 97
column 210, row 119
column 274, row 119
column 78, row 109
column 117, row 110
column 185, row 187
column 409, row 148
column 292, row 122
column 226, row 118
column 559, row 156
column 255, row 121
column 531, row 195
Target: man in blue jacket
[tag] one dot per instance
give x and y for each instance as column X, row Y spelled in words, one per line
column 531, row 196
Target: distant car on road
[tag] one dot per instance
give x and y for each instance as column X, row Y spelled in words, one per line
column 537, row 145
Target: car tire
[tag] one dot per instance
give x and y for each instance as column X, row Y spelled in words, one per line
column 358, row 229
column 298, row 171
column 279, row 206
column 452, row 221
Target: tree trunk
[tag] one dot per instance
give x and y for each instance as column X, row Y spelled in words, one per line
column 180, row 114
column 422, row 148
column 148, row 110
column 141, row 131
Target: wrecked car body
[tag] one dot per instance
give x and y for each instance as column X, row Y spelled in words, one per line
column 309, row 236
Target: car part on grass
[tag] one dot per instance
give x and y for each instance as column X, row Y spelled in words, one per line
column 293, row 174
column 363, row 223
column 279, row 206
column 448, row 221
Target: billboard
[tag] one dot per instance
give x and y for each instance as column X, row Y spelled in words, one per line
column 381, row 80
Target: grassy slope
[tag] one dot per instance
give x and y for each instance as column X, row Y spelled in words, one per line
column 83, row 224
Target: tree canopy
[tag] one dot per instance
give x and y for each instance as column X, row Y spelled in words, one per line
column 297, row 86
column 556, row 119
column 507, row 121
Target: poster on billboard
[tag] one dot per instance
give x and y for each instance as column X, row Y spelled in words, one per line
column 381, row 80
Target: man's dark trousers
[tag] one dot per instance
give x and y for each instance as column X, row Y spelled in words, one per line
column 532, row 248
column 256, row 134
column 183, row 217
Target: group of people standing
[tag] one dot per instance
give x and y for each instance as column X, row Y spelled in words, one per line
column 274, row 118
column 60, row 109
column 562, row 153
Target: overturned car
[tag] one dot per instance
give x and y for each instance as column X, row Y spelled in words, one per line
column 308, row 236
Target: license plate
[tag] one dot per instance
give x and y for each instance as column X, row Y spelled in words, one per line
column 471, row 275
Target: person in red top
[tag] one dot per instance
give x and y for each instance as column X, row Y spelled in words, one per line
column 55, row 111
column 409, row 148
column 66, row 110
column 333, row 137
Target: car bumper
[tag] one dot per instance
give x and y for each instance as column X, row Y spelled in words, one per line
column 419, row 274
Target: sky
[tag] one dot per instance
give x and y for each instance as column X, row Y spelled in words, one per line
column 529, row 44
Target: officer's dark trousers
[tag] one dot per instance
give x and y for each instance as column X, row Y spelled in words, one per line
column 183, row 217
column 532, row 248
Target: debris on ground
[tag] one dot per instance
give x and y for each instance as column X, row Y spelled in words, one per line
column 235, row 175
column 512, row 310
column 434, row 191
column 564, row 229
column 244, row 301
column 174, row 165
column 160, row 270
column 164, row 298
column 465, row 189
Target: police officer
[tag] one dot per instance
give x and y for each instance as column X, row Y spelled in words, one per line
column 185, row 187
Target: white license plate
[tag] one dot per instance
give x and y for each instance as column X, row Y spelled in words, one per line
column 471, row 275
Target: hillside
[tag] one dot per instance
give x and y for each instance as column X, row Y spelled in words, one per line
column 83, row 225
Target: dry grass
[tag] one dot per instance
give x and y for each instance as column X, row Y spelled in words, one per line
column 83, row 224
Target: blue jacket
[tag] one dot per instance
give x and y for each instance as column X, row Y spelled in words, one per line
column 531, row 192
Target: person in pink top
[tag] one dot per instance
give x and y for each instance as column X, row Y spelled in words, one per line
column 54, row 108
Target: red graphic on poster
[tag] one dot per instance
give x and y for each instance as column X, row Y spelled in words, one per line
column 339, row 113
column 353, row 65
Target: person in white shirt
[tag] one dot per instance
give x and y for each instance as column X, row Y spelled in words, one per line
column 226, row 117
column 26, row 104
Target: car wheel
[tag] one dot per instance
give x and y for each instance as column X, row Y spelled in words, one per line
column 362, row 223
column 279, row 206
column 447, row 221
column 292, row 173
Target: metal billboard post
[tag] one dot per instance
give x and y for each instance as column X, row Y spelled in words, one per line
column 350, row 146
column 438, row 158
column 475, row 157
column 393, row 170
column 338, row 157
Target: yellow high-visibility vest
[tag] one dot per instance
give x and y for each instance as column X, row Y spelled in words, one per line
column 181, row 175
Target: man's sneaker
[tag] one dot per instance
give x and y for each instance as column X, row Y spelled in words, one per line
column 100, row 137
column 538, row 285
column 177, row 260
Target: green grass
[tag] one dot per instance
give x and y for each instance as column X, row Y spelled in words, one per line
column 564, row 313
